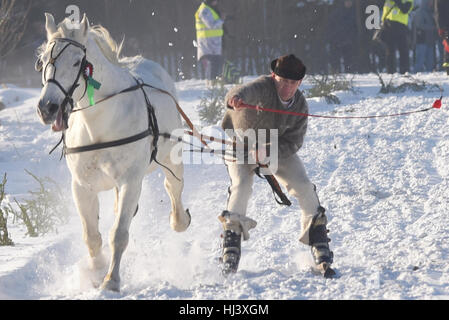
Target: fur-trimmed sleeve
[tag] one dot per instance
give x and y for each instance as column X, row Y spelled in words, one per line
column 254, row 93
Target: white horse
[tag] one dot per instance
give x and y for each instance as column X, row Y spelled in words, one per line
column 131, row 117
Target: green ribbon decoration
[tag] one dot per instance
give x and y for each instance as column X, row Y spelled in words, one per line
column 92, row 85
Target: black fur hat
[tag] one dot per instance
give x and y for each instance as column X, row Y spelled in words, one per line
column 289, row 67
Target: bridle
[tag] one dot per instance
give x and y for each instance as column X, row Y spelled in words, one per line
column 68, row 94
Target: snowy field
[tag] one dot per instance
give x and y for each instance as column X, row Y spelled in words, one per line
column 383, row 181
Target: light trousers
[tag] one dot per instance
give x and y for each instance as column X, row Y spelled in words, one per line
column 291, row 174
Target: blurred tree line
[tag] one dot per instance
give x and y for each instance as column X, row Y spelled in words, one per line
column 256, row 31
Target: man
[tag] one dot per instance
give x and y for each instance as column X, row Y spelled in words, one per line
column 276, row 91
column 209, row 34
column 424, row 37
column 341, row 35
column 396, row 13
column 442, row 21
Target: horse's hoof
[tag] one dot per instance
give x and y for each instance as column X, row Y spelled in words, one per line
column 190, row 218
column 180, row 227
column 110, row 285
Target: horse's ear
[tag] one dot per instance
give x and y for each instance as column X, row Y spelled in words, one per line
column 50, row 24
column 84, row 25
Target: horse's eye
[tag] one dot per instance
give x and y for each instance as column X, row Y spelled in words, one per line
column 38, row 65
column 77, row 64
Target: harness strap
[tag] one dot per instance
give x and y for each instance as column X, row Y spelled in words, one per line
column 211, row 139
column 152, row 129
column 275, row 187
column 195, row 133
column 54, row 148
column 104, row 145
column 190, row 124
column 152, row 122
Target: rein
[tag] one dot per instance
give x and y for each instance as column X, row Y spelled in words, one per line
column 436, row 105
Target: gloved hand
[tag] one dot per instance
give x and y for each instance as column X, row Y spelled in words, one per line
column 444, row 34
column 235, row 103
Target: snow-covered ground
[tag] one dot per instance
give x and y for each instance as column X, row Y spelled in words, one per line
column 383, row 181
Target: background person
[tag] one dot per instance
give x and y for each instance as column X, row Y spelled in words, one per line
column 209, row 34
column 442, row 21
column 424, row 36
column 341, row 34
column 396, row 15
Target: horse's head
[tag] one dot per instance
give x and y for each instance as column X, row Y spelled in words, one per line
column 62, row 63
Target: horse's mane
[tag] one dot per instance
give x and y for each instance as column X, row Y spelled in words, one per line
column 149, row 71
column 108, row 46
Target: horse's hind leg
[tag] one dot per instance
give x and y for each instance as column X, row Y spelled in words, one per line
column 129, row 194
column 87, row 204
column 174, row 184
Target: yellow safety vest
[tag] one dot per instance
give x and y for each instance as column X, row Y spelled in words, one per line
column 202, row 31
column 396, row 14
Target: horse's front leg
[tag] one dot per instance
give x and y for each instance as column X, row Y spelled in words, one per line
column 129, row 194
column 87, row 204
column 174, row 184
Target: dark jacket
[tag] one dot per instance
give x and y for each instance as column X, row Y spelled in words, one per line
column 442, row 14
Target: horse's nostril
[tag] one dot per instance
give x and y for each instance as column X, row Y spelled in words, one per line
column 53, row 108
